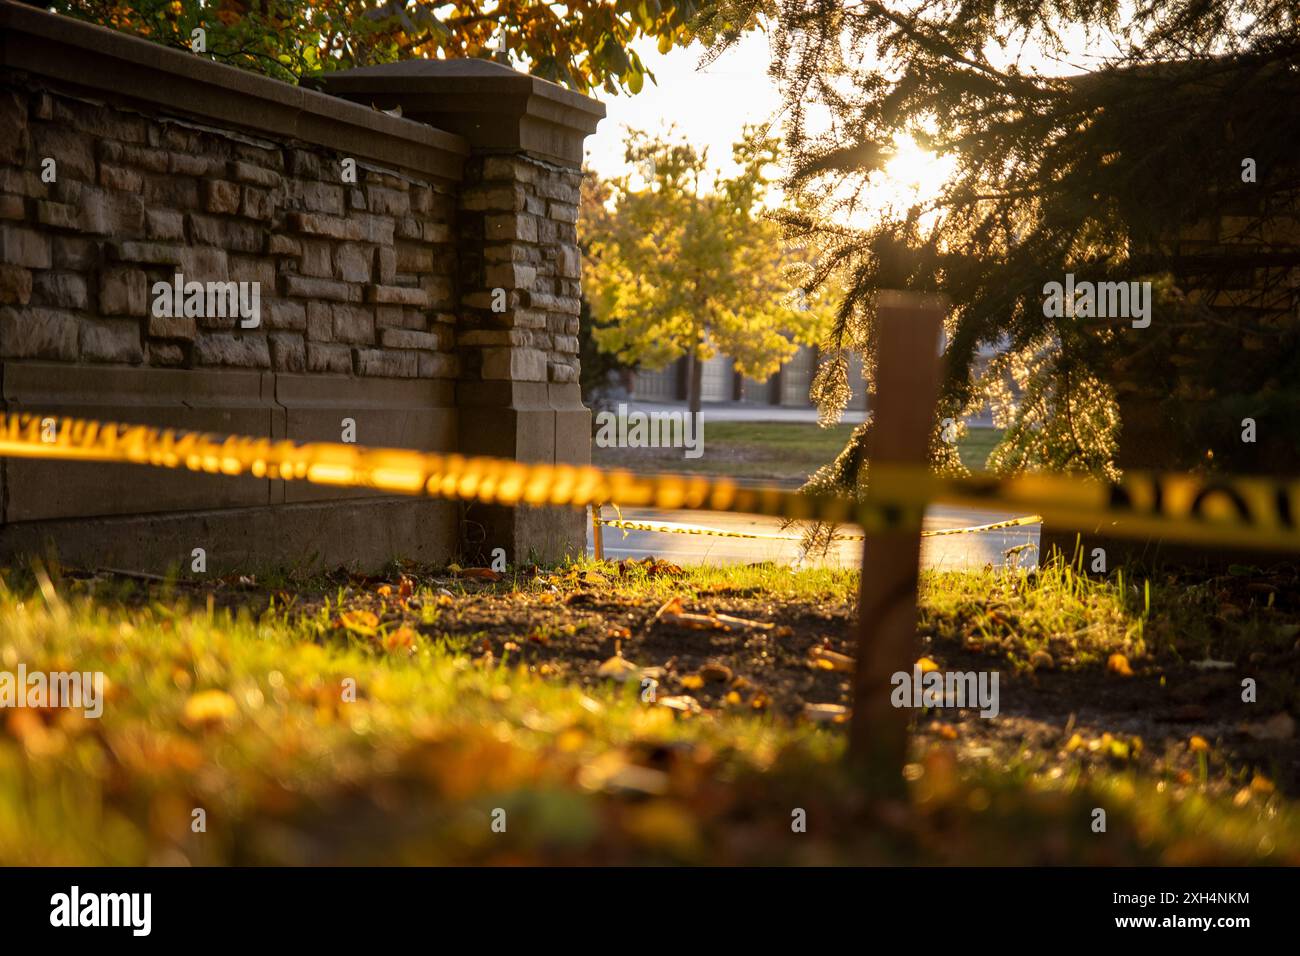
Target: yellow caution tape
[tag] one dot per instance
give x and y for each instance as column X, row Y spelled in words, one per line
column 1213, row 510
column 677, row 527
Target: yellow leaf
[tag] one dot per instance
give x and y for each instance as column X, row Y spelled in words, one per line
column 926, row 665
column 209, row 707
column 831, row 660
column 401, row 639
column 1198, row 744
column 826, row 713
column 1118, row 664
column 618, row 668
column 363, row 622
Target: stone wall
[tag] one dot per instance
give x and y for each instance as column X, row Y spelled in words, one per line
column 354, row 279
column 417, row 280
column 519, row 220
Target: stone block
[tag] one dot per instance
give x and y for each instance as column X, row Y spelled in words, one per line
column 306, row 288
column 288, row 352
column 407, row 339
column 220, row 196
column 329, row 359
column 173, row 327
column 514, row 364
column 510, row 228
column 285, row 314
column 112, row 340
column 352, row 263
column 167, row 224
column 397, row 295
column 20, row 246
column 66, row 290
column 38, row 333
column 331, row 227
column 15, row 285
column 387, row 363
column 123, row 292
column 354, row 325
column 230, row 350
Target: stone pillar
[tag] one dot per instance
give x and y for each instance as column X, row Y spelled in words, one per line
column 517, row 324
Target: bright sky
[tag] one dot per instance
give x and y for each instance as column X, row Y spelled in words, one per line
column 709, row 107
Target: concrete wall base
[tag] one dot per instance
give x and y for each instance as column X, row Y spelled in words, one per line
column 360, row 535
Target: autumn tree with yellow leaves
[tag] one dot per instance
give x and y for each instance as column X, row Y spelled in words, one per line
column 682, row 260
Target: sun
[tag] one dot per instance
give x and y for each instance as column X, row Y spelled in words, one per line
column 913, row 176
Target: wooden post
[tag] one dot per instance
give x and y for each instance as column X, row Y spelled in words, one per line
column 907, row 382
column 597, row 534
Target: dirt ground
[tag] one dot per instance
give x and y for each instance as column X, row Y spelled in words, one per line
column 1060, row 706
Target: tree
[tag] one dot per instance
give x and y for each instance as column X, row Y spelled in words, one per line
column 583, row 44
column 1100, row 174
column 686, row 263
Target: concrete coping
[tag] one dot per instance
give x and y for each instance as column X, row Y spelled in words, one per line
column 495, row 108
column 105, row 61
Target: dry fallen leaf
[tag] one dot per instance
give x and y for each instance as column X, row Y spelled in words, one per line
column 925, row 665
column 479, row 574
column 1198, row 744
column 946, row 731
column 831, row 660
column 401, row 639
column 360, row 621
column 1261, row 784
column 715, row 673
column 209, row 707
column 826, row 713
column 1118, row 664
column 681, row 703
column 672, row 612
column 618, row 668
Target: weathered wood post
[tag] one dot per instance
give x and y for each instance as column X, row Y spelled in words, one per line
column 907, row 381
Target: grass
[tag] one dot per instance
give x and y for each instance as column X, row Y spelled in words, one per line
column 233, row 700
column 976, row 445
column 785, row 452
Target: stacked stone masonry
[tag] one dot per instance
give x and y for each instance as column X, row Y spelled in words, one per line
column 355, row 278
column 521, row 270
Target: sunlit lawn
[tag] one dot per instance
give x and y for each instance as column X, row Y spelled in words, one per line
column 785, row 452
column 244, row 714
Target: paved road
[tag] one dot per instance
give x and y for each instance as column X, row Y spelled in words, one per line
column 960, row 551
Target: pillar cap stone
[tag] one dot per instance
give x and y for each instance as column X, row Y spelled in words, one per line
column 495, row 108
